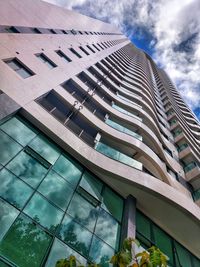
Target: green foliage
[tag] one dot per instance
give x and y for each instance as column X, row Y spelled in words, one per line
column 151, row 257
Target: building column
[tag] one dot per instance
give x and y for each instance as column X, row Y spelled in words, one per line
column 7, row 106
column 129, row 218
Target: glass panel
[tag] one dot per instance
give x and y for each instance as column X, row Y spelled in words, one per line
column 91, row 184
column 7, row 216
column 83, row 211
column 27, row 168
column 68, row 169
column 163, row 242
column 196, row 262
column 107, row 229
column 18, row 130
column 75, row 235
column 108, row 151
column 100, row 253
column 9, row 147
column 190, row 166
column 61, row 251
column 13, row 190
column 24, row 73
column 43, row 212
column 182, row 256
column 143, row 225
column 3, row 264
column 25, row 244
column 56, row 189
column 112, row 203
column 115, row 154
column 45, row 148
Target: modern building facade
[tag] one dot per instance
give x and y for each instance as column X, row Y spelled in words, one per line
column 96, row 144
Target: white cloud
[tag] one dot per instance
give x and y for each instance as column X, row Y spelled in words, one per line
column 174, row 25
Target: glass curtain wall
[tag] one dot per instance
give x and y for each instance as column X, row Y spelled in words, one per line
column 50, row 206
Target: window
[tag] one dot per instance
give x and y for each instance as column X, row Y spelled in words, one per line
column 74, row 52
column 25, row 244
column 52, row 31
column 35, row 30
column 90, row 48
column 46, row 60
column 96, row 47
column 12, row 29
column 84, row 51
column 63, row 56
column 19, row 68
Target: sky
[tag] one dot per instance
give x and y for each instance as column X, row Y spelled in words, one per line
column 168, row 30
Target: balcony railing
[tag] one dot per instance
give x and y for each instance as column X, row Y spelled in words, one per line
column 123, row 129
column 182, row 147
column 196, row 195
column 190, row 166
column 117, row 155
column 177, row 132
column 126, row 112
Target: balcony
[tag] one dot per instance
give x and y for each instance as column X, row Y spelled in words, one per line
column 178, row 135
column 117, row 155
column 184, row 150
column 173, row 124
column 126, row 112
column 170, row 115
column 192, row 171
column 123, row 129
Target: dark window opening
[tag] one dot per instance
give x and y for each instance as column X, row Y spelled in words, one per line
column 74, row 52
column 46, row 60
column 84, row 51
column 19, row 68
column 62, row 55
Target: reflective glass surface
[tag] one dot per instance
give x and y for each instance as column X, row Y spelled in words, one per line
column 43, row 212
column 9, row 147
column 112, row 203
column 25, row 243
column 68, row 169
column 143, row 225
column 100, row 253
column 27, row 168
column 83, row 211
column 115, row 154
column 7, row 216
column 91, row 184
column 3, row 264
column 45, row 148
column 59, row 251
column 107, row 229
column 164, row 243
column 56, row 189
column 18, row 130
column 13, row 190
column 182, row 256
column 76, row 236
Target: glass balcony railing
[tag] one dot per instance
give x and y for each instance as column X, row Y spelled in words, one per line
column 123, row 129
column 190, row 166
column 178, row 132
column 128, row 100
column 196, row 195
column 126, row 112
column 116, row 155
column 169, row 113
column 172, row 122
column 182, row 147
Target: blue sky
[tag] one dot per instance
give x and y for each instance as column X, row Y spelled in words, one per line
column 168, row 30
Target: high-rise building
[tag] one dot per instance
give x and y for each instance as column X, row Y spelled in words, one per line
column 96, row 144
